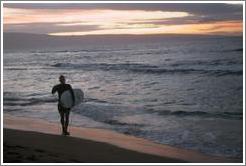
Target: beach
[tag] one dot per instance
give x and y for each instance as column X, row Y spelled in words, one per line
column 27, row 140
column 48, row 148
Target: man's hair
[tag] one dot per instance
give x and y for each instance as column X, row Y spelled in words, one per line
column 61, row 77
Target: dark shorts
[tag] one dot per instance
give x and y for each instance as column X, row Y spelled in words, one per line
column 61, row 109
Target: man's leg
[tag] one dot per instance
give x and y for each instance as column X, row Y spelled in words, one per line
column 67, row 112
column 62, row 121
column 61, row 112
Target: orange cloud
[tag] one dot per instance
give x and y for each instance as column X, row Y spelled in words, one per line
column 223, row 27
column 17, row 16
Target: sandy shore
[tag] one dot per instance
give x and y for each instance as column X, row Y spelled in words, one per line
column 38, row 141
column 26, row 146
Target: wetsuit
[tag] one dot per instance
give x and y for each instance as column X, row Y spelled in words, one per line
column 60, row 88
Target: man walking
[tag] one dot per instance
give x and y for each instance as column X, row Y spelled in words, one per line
column 64, row 112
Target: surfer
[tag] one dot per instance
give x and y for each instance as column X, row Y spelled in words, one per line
column 64, row 112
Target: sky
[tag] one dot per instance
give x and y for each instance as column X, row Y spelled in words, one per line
column 66, row 19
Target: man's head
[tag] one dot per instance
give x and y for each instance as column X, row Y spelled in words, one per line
column 62, row 79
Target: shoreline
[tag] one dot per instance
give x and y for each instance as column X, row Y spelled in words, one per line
column 152, row 152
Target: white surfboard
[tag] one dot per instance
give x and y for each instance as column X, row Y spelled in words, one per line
column 67, row 100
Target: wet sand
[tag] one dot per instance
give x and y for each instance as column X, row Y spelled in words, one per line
column 26, row 146
column 28, row 140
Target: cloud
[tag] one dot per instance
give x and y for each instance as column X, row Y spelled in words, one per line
column 45, row 28
column 48, row 21
column 202, row 12
column 13, row 16
column 195, row 8
column 59, row 18
column 193, row 19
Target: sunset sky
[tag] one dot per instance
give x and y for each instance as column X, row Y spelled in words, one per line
column 101, row 19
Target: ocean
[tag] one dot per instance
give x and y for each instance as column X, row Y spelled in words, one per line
column 186, row 92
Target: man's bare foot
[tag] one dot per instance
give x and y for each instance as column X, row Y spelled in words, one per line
column 67, row 133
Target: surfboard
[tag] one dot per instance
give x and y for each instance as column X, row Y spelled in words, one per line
column 67, row 100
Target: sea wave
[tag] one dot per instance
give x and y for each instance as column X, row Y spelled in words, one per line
column 104, row 112
column 234, row 50
column 11, row 99
column 215, row 62
column 223, row 115
column 145, row 69
column 81, row 50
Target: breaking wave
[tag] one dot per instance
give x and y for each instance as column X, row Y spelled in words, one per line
column 145, row 69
